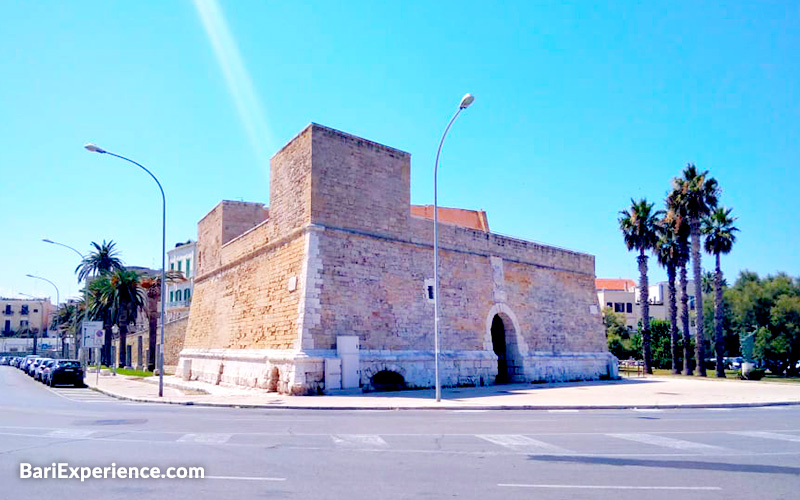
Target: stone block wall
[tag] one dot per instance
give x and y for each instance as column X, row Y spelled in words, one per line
column 290, row 184
column 247, row 304
column 359, row 184
column 225, row 222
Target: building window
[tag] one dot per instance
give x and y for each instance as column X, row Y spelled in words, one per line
column 609, row 304
column 179, row 265
column 7, row 327
column 619, row 307
column 23, row 323
column 171, row 266
column 188, row 268
column 8, row 309
column 35, row 310
column 629, row 307
column 24, row 309
column 186, row 294
column 172, row 296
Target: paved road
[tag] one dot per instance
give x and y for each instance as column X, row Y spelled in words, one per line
column 669, row 454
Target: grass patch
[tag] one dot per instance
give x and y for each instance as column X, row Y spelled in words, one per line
column 131, row 372
column 778, row 378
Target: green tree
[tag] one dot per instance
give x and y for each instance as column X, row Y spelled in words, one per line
column 719, row 230
column 638, row 226
column 661, row 342
column 769, row 307
column 696, row 193
column 784, row 333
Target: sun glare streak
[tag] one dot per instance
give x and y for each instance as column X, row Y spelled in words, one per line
column 238, row 80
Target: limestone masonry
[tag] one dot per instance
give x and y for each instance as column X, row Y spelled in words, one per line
column 330, row 287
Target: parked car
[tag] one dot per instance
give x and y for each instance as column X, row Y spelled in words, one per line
column 65, row 371
column 43, row 369
column 23, row 363
column 34, row 365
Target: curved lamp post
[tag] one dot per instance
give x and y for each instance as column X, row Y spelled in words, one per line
column 464, row 104
column 86, row 302
column 96, row 149
column 58, row 301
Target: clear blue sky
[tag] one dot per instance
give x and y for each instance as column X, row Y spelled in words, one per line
column 578, row 108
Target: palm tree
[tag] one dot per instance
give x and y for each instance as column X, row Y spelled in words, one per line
column 127, row 297
column 677, row 217
column 696, row 193
column 152, row 288
column 100, row 307
column 719, row 230
column 119, row 296
column 668, row 253
column 638, row 225
column 103, row 259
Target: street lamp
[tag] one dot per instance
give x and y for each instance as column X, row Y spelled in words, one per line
column 85, row 301
column 96, row 149
column 58, row 301
column 464, row 104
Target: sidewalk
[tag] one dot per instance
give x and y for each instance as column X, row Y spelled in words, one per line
column 644, row 392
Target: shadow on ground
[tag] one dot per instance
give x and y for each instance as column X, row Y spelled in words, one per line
column 461, row 393
column 669, row 464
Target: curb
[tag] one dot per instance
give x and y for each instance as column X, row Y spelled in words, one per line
column 445, row 408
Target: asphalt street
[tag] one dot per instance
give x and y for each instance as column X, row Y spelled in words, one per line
column 256, row 453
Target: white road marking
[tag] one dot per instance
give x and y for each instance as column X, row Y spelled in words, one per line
column 678, row 444
column 245, row 478
column 205, row 438
column 610, row 487
column 647, row 410
column 768, row 435
column 518, row 442
column 563, row 411
column 69, row 433
column 82, row 395
column 359, row 440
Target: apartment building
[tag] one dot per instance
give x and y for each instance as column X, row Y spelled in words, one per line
column 19, row 315
column 182, row 259
column 622, row 296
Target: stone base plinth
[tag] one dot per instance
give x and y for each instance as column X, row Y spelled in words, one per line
column 303, row 372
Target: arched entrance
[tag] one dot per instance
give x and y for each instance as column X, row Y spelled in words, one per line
column 504, row 338
column 499, row 347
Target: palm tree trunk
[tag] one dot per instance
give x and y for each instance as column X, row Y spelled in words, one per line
column 720, row 341
column 699, row 338
column 123, row 340
column 687, row 341
column 109, row 336
column 643, row 298
column 673, row 320
column 152, row 323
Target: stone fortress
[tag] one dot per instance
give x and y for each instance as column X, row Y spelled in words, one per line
column 331, row 286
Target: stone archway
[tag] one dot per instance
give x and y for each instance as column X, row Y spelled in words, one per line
column 504, row 339
column 501, row 349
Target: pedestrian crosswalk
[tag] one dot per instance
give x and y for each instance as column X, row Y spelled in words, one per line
column 82, row 394
column 721, row 443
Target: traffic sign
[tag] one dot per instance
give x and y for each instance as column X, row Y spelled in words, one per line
column 93, row 334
